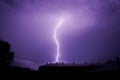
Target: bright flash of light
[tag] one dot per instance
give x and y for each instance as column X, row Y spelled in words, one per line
column 56, row 40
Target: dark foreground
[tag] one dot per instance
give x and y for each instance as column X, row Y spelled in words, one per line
column 59, row 72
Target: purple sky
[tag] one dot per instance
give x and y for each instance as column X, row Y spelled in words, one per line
column 90, row 31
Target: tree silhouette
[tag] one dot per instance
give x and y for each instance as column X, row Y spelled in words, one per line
column 6, row 56
column 117, row 61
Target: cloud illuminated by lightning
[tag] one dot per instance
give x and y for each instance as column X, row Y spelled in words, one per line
column 56, row 40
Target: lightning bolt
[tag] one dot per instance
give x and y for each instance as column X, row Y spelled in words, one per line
column 56, row 40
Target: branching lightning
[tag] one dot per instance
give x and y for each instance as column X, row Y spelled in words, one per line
column 56, row 40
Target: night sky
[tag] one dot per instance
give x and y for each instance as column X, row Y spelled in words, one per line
column 90, row 31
